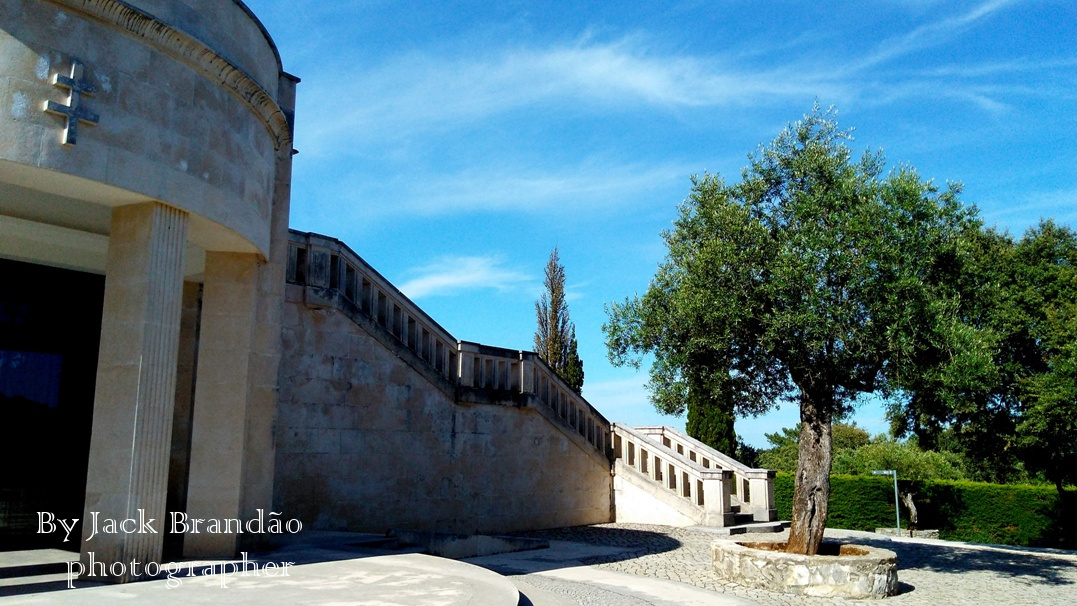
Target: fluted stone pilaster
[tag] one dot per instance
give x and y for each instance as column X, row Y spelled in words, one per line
column 136, row 383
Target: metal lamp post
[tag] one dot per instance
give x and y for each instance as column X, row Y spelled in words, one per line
column 897, row 509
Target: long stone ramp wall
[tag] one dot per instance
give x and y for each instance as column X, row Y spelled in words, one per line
column 386, row 420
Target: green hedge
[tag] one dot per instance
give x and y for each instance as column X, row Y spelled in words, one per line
column 962, row 511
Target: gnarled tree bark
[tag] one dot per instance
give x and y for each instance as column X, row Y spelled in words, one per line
column 906, row 498
column 811, row 495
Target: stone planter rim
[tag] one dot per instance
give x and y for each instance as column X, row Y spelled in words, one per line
column 873, row 553
column 872, row 575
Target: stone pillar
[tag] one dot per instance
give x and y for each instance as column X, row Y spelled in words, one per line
column 717, row 487
column 218, row 432
column 527, row 372
column 762, row 502
column 136, row 383
column 467, row 363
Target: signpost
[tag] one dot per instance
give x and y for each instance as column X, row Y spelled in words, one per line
column 897, row 510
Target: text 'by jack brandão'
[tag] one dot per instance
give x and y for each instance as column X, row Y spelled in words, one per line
column 91, row 568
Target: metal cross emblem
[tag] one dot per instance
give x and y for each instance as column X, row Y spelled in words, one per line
column 74, row 111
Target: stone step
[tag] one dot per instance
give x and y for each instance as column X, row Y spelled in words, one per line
column 740, row 519
column 750, row 527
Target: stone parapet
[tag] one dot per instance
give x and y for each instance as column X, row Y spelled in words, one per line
column 856, row 571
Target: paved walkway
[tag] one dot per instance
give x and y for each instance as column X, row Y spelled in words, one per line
column 329, row 569
column 930, row 572
column 607, row 565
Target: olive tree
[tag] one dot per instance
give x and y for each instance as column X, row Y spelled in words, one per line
column 813, row 279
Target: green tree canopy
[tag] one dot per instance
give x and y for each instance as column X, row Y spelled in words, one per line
column 910, row 461
column 1018, row 411
column 1045, row 295
column 782, row 455
column 812, row 280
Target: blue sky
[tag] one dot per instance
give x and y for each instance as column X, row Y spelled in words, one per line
column 453, row 145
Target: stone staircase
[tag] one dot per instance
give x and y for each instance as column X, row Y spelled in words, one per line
column 662, row 476
column 331, row 275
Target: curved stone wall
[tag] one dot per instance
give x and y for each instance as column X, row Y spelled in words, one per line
column 226, row 26
column 184, row 95
column 858, row 572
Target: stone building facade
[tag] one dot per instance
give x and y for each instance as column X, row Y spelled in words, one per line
column 179, row 350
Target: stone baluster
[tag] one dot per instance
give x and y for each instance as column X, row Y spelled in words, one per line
column 467, row 372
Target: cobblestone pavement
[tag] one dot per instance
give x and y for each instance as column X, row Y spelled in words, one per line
column 929, row 572
column 572, row 593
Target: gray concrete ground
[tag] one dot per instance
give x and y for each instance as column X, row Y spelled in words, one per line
column 612, row 564
column 329, row 569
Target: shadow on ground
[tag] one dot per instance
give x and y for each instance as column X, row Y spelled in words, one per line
column 633, row 543
column 1015, row 562
column 580, row 545
column 33, row 571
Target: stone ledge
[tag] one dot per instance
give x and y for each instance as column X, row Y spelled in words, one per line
column 905, row 532
column 860, row 572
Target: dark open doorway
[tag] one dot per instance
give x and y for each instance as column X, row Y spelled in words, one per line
column 50, row 328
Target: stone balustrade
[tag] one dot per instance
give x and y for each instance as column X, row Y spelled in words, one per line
column 329, row 268
column 754, row 488
column 486, row 367
column 700, row 480
column 570, row 406
column 334, row 275
column 523, row 372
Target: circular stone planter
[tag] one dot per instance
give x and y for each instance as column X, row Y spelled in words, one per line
column 853, row 571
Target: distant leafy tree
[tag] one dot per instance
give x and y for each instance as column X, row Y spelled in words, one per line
column 1017, row 411
column 555, row 338
column 812, row 280
column 965, row 401
column 908, row 460
column 746, row 453
column 712, row 424
column 1045, row 294
column 782, row 455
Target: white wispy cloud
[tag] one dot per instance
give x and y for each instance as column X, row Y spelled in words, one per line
column 1024, row 213
column 411, row 96
column 495, row 188
column 422, row 92
column 584, row 188
column 1017, row 66
column 929, row 35
column 461, row 274
column 991, row 99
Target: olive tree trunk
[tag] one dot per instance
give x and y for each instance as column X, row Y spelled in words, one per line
column 811, row 496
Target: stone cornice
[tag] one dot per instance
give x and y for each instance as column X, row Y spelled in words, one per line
column 195, row 54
